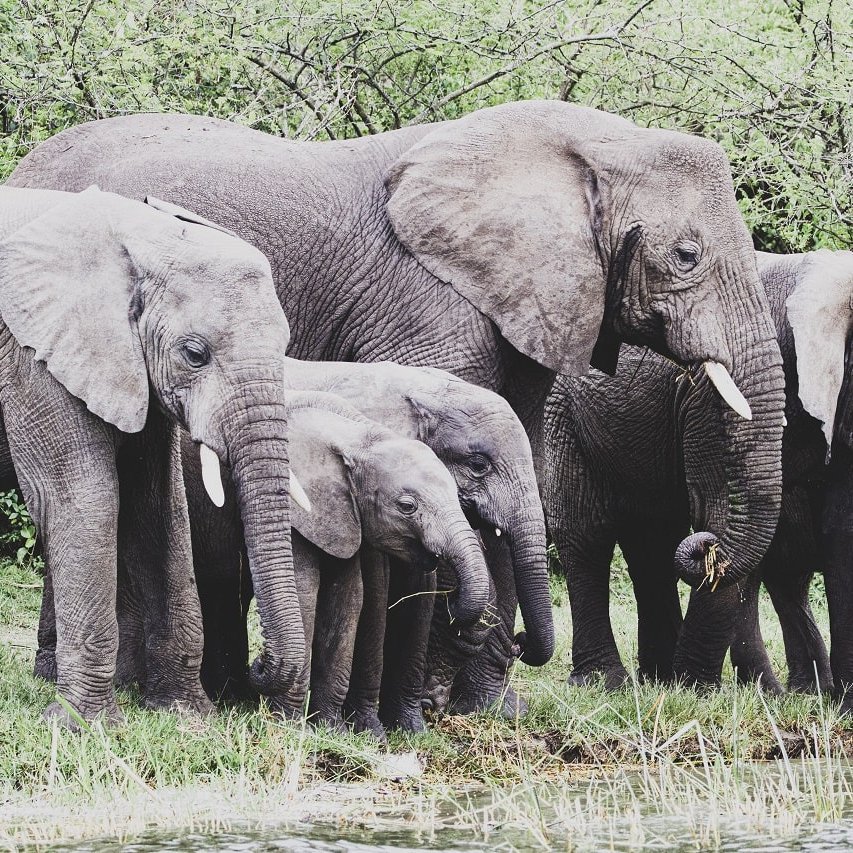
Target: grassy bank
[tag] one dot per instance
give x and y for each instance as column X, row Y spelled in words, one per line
column 580, row 753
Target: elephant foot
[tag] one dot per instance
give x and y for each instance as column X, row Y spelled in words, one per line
column 194, row 703
column 366, row 720
column 45, row 665
column 70, row 717
column 505, row 701
column 846, row 709
column 613, row 677
column 806, row 683
column 407, row 718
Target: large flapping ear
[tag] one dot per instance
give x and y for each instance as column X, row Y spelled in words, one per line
column 315, row 441
column 820, row 313
column 184, row 215
column 66, row 288
column 508, row 207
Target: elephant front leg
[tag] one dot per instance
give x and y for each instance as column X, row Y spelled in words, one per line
column 69, row 483
column 154, row 543
column 339, row 605
column 837, row 536
column 483, row 680
column 45, row 663
column 748, row 652
column 361, row 708
column 408, row 620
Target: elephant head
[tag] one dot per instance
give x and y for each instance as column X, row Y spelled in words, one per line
column 365, row 481
column 573, row 230
column 131, row 307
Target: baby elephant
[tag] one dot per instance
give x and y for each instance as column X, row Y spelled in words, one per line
column 635, row 458
column 365, row 485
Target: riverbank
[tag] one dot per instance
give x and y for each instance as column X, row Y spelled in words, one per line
column 581, row 760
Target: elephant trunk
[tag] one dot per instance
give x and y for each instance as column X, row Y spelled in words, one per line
column 256, row 438
column 527, row 543
column 734, row 530
column 463, row 554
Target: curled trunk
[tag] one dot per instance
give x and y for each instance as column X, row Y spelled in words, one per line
column 463, row 554
column 257, row 442
column 527, row 543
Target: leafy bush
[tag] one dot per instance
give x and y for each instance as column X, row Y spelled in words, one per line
column 769, row 80
column 18, row 537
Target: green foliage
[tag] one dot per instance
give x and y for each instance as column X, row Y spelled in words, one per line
column 769, row 80
column 19, row 533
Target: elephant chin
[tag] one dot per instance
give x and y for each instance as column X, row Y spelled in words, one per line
column 698, row 560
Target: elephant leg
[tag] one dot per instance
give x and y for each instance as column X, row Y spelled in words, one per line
column 837, row 536
column 45, row 664
column 450, row 648
column 482, row 681
column 406, row 640
column 361, row 707
column 307, row 562
column 649, row 546
column 68, row 479
column 224, row 583
column 130, row 663
column 748, row 652
column 154, row 544
column 339, row 605
column 804, row 647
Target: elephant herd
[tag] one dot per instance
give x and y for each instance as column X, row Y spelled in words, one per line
column 441, row 292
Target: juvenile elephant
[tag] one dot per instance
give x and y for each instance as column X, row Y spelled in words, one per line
column 636, row 459
column 120, row 322
column 505, row 245
column 366, row 485
column 478, row 437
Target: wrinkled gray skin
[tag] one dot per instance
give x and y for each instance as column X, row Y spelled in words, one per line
column 367, row 486
column 636, row 459
column 503, row 246
column 478, row 437
column 119, row 323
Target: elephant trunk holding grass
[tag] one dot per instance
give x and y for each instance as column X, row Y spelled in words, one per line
column 638, row 459
column 119, row 322
column 511, row 243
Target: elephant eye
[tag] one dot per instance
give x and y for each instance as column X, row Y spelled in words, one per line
column 407, row 504
column 686, row 256
column 479, row 464
column 195, row 353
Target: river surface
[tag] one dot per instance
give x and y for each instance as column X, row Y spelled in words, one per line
column 802, row 806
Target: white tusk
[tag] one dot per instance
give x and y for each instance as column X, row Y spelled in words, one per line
column 210, row 475
column 724, row 383
column 784, row 421
column 298, row 493
column 497, row 531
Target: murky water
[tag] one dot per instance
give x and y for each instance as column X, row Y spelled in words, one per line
column 803, row 806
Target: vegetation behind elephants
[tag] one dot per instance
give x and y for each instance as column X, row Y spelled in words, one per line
column 770, row 80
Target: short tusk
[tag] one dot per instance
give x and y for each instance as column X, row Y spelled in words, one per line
column 298, row 493
column 497, row 531
column 724, row 383
column 784, row 421
column 210, row 475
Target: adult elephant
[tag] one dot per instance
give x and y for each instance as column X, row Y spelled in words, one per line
column 517, row 241
column 638, row 458
column 119, row 323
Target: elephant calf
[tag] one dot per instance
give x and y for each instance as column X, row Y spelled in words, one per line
column 366, row 485
column 636, row 459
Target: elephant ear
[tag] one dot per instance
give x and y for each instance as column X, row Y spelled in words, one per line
column 66, row 287
column 507, row 208
column 315, row 438
column 820, row 313
column 185, row 215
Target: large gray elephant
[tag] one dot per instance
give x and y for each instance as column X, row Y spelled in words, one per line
column 637, row 459
column 120, row 322
column 505, row 245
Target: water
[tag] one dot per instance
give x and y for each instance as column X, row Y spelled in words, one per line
column 804, row 806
